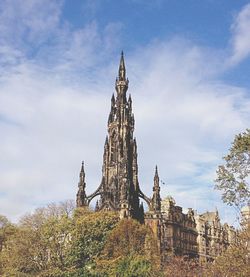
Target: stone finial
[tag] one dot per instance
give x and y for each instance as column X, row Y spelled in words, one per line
column 81, row 199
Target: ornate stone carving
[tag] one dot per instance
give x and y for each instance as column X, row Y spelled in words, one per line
column 119, row 184
column 177, row 232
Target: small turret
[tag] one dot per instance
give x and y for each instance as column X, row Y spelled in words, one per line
column 112, row 111
column 156, row 199
column 156, row 180
column 81, row 199
column 97, row 206
column 130, row 101
column 112, row 100
column 135, row 147
column 106, row 142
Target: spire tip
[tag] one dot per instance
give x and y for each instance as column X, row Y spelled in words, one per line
column 82, row 168
column 122, row 69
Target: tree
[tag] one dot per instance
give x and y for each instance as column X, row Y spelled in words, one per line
column 91, row 230
column 182, row 266
column 37, row 245
column 135, row 265
column 130, row 250
column 51, row 242
column 127, row 238
column 233, row 176
column 4, row 224
column 6, row 230
column 233, row 180
column 235, row 261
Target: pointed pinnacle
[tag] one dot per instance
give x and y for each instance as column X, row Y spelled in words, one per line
column 156, row 178
column 156, row 170
column 122, row 69
column 82, row 168
column 112, row 102
column 82, row 173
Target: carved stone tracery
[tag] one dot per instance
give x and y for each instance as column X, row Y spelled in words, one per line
column 120, row 169
column 119, row 190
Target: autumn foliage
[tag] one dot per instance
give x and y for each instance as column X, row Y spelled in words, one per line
column 130, row 250
column 59, row 241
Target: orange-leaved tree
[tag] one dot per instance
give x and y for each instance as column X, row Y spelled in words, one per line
column 130, row 250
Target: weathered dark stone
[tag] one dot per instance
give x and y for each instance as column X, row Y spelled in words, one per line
column 119, row 188
column 176, row 232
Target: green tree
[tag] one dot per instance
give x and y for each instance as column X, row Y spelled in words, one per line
column 89, row 235
column 233, row 177
column 130, row 250
column 39, row 244
column 52, row 242
column 233, row 181
column 127, row 238
column 135, row 265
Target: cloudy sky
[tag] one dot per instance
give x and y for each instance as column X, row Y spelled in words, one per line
column 188, row 65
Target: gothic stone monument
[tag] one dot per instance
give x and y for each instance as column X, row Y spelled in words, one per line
column 119, row 190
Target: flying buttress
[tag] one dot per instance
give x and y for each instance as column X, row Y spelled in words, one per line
column 144, row 197
column 94, row 194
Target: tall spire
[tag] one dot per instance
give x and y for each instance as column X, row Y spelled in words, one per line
column 156, row 199
column 82, row 173
column 119, row 188
column 81, row 199
column 122, row 82
column 156, row 177
column 122, row 69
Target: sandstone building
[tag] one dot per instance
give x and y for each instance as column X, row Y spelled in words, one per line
column 213, row 237
column 178, row 233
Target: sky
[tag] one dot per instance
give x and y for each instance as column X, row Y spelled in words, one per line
column 188, row 63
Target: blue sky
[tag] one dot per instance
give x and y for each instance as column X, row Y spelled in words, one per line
column 188, row 65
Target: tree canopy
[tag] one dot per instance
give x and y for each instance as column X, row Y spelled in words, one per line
column 233, row 177
column 55, row 242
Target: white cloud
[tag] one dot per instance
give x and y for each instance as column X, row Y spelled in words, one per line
column 241, row 36
column 55, row 103
column 186, row 119
column 28, row 21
